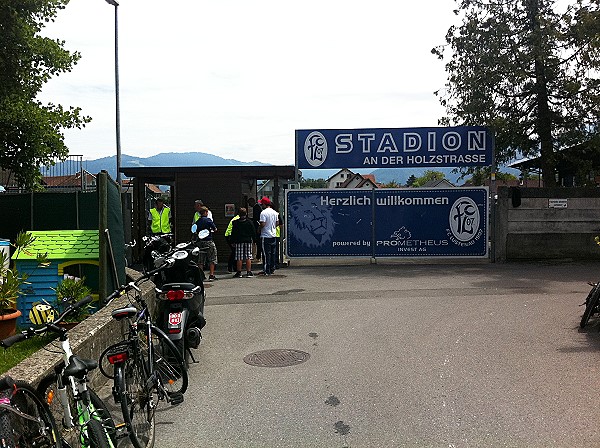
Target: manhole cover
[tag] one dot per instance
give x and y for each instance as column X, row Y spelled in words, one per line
column 276, row 358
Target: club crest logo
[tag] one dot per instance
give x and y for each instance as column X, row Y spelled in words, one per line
column 465, row 221
column 315, row 149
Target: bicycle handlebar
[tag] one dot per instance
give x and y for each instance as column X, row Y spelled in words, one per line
column 131, row 285
column 26, row 334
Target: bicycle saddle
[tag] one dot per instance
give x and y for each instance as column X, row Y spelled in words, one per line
column 79, row 367
column 121, row 313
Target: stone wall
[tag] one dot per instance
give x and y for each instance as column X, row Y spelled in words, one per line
column 88, row 340
column 545, row 223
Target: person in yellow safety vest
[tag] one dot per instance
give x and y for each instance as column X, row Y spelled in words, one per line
column 159, row 218
column 198, row 204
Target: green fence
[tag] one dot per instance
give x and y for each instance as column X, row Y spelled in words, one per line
column 98, row 210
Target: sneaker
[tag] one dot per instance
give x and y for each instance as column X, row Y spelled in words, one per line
column 262, row 273
column 238, row 275
column 249, row 274
column 211, row 278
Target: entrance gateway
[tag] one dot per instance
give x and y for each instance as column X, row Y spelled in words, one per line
column 398, row 222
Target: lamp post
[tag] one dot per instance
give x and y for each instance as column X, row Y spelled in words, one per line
column 117, row 112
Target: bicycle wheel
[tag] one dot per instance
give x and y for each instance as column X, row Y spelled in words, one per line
column 591, row 304
column 169, row 369
column 96, row 437
column 70, row 431
column 137, row 402
column 6, row 431
column 167, row 363
column 28, row 433
column 183, row 351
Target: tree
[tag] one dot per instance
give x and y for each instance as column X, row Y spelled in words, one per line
column 31, row 133
column 528, row 72
column 391, row 184
column 479, row 176
column 427, row 176
column 411, row 180
column 313, row 183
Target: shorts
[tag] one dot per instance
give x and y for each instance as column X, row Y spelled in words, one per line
column 243, row 251
column 211, row 251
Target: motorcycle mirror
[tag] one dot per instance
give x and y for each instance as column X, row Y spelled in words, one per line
column 195, row 251
column 194, row 228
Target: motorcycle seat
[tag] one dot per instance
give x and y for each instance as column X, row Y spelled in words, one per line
column 174, row 286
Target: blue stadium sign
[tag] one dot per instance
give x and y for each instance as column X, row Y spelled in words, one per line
column 387, row 222
column 394, row 148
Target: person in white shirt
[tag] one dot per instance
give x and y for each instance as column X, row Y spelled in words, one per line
column 268, row 221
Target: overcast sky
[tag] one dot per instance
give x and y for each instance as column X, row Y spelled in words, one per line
column 235, row 78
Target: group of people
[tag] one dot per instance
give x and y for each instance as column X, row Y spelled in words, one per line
column 242, row 234
column 263, row 230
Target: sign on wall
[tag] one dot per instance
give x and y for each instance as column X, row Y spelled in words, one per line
column 394, row 148
column 387, row 222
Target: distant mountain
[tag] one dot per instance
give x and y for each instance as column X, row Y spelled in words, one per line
column 382, row 175
column 163, row 159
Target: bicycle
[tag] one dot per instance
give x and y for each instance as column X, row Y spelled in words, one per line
column 85, row 419
column 25, row 420
column 146, row 366
column 591, row 304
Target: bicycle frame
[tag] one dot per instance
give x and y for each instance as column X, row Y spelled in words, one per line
column 86, row 410
column 133, row 342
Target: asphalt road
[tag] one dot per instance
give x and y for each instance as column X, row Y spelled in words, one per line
column 400, row 355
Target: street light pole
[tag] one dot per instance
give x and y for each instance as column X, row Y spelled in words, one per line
column 117, row 112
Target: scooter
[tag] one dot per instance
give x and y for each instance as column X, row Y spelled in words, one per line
column 181, row 296
column 155, row 246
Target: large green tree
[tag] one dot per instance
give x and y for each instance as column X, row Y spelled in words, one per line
column 427, row 176
column 31, row 133
column 530, row 72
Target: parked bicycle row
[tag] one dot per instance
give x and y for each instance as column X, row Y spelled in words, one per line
column 147, row 367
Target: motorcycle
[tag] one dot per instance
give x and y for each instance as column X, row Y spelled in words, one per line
column 180, row 297
column 155, row 246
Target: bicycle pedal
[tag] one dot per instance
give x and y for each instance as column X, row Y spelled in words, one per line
column 175, row 398
column 122, row 431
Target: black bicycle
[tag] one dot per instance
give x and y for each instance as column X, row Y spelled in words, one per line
column 591, row 304
column 146, row 367
column 84, row 419
column 25, row 420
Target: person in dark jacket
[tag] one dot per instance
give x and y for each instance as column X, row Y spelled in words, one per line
column 206, row 242
column 256, row 210
column 242, row 236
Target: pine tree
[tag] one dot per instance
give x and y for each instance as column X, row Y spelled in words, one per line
column 527, row 71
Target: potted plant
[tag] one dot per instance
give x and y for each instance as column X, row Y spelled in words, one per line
column 11, row 282
column 70, row 291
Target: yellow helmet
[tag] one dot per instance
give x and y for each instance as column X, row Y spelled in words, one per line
column 41, row 313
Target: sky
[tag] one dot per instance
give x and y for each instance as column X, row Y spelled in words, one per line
column 236, row 78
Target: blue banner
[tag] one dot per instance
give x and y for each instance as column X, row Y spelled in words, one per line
column 387, row 222
column 394, row 148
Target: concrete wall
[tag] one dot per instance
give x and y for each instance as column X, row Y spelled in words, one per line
column 88, row 340
column 529, row 227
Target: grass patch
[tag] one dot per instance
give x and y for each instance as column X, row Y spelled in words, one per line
column 10, row 357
